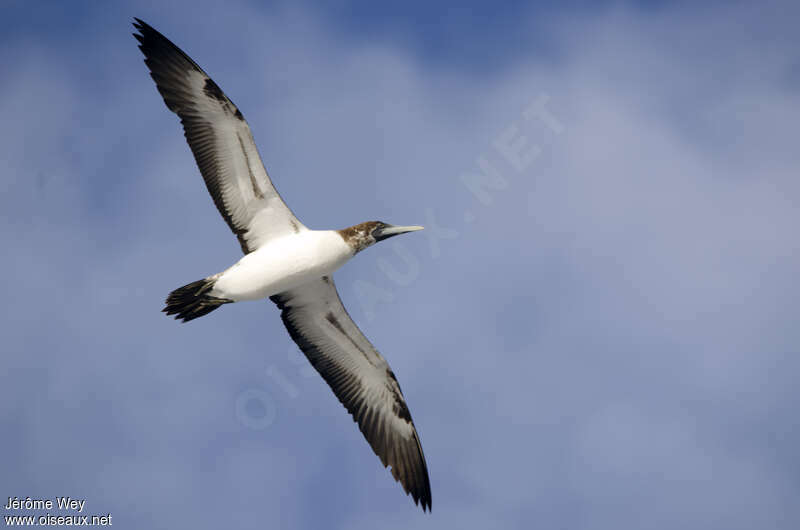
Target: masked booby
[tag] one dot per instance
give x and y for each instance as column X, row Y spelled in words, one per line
column 285, row 261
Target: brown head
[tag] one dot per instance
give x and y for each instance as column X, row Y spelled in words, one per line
column 362, row 235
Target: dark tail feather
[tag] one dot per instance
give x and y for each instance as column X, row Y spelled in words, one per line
column 192, row 300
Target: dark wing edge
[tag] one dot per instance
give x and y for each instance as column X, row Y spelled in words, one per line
column 220, row 140
column 168, row 66
column 381, row 412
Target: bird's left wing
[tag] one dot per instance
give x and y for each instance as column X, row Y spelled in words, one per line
column 360, row 377
column 221, row 142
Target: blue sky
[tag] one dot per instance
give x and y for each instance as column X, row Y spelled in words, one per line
column 599, row 334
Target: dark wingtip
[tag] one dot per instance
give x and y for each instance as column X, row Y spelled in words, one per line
column 424, row 498
column 141, row 26
column 423, row 501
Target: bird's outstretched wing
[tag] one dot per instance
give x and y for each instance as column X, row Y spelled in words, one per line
column 221, row 141
column 360, row 377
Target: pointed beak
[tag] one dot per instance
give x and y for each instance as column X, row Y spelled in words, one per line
column 389, row 231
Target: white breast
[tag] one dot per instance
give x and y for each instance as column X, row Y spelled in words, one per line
column 282, row 264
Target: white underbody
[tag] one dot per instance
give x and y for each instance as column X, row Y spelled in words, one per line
column 281, row 264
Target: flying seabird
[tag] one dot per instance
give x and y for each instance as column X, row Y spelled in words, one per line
column 285, row 261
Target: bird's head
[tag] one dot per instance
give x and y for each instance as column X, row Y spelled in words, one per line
column 366, row 234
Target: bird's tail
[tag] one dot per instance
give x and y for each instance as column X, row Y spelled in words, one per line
column 192, row 300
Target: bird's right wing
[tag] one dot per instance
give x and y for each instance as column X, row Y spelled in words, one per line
column 360, row 377
column 221, row 142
